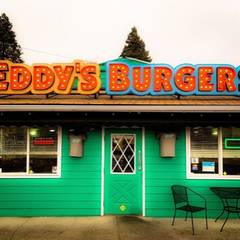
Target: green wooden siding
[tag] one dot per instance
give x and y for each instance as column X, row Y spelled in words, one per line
column 76, row 193
column 161, row 173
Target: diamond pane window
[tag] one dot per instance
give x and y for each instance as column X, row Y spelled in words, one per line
column 123, row 153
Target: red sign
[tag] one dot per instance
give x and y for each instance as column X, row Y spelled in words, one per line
column 43, row 141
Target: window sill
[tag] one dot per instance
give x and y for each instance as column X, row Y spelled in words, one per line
column 213, row 177
column 14, row 175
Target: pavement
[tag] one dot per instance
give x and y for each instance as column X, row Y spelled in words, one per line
column 113, row 228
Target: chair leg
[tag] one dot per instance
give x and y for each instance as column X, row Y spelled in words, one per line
column 174, row 216
column 219, row 215
column 224, row 222
column 206, row 218
column 192, row 224
column 186, row 216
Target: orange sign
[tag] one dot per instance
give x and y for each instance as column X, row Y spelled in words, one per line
column 16, row 78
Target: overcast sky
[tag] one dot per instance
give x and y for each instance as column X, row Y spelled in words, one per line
column 174, row 31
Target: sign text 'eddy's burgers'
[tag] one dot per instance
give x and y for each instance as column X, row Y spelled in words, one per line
column 120, row 78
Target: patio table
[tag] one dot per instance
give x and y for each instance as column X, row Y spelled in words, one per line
column 230, row 198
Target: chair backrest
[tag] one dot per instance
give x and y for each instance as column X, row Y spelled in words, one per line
column 179, row 194
column 226, row 192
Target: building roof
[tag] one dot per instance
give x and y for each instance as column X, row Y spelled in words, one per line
column 101, row 102
column 119, row 103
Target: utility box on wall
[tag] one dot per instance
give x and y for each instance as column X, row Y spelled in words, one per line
column 76, row 145
column 167, row 142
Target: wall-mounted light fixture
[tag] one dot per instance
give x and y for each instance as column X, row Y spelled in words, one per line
column 76, row 141
column 167, row 143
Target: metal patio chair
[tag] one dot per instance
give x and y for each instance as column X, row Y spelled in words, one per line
column 230, row 201
column 181, row 202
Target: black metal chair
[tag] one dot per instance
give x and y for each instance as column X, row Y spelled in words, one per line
column 230, row 199
column 181, row 202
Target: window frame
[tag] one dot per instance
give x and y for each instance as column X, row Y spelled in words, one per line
column 38, row 175
column 135, row 142
column 219, row 175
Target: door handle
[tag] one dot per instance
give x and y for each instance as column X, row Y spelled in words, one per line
column 139, row 160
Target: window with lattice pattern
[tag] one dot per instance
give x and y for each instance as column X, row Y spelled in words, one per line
column 123, row 153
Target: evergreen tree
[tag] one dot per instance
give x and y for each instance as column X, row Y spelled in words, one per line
column 135, row 47
column 9, row 48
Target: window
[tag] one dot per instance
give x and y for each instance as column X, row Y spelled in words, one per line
column 204, row 150
column 123, row 153
column 213, row 151
column 29, row 151
column 231, row 151
column 13, row 149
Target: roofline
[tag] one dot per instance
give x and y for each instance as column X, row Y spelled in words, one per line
column 120, row 108
column 128, row 58
column 137, row 60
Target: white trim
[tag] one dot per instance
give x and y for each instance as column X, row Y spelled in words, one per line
column 102, row 171
column 215, row 176
column 120, row 108
column 24, row 175
column 120, row 173
column 59, row 154
column 188, row 152
column 143, row 173
column 220, row 152
column 28, row 151
column 136, row 60
column 38, row 175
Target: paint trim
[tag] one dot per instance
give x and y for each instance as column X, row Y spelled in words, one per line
column 28, row 150
column 143, row 174
column 220, row 151
column 188, row 147
column 102, row 173
column 59, row 152
column 119, row 108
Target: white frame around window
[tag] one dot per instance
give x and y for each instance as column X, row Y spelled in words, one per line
column 39, row 175
column 218, row 175
column 122, row 173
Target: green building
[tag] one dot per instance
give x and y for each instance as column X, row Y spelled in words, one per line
column 100, row 155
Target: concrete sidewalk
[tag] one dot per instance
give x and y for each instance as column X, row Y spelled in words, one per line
column 112, row 228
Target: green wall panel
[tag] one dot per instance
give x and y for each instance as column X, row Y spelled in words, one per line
column 161, row 173
column 76, row 193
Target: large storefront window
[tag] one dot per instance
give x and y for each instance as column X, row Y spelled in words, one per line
column 231, row 151
column 29, row 151
column 214, row 152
